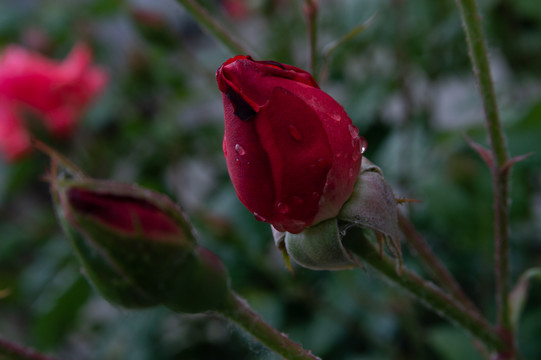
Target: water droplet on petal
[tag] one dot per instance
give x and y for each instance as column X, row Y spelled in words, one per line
column 338, row 155
column 237, row 160
column 336, row 117
column 315, row 195
column 353, row 131
column 282, row 208
column 320, row 162
column 297, row 200
column 259, row 217
column 295, row 133
column 240, row 150
column 224, row 147
column 364, row 144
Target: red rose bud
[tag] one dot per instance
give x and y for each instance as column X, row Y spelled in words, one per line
column 135, row 245
column 292, row 152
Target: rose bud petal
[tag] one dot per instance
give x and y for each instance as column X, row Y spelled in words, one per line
column 292, row 152
column 135, row 245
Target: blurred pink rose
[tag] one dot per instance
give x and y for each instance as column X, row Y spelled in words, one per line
column 14, row 139
column 237, row 9
column 57, row 91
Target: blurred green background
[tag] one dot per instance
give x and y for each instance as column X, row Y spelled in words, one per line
column 406, row 83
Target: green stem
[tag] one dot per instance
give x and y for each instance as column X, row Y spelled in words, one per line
column 471, row 21
column 14, row 351
column 433, row 263
column 310, row 12
column 214, row 27
column 429, row 294
column 439, row 271
column 240, row 312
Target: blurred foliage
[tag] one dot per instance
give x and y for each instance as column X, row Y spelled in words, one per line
column 406, row 83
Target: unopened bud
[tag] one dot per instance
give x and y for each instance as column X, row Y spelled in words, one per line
column 136, row 246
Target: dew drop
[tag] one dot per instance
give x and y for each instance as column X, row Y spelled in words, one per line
column 240, row 150
column 336, row 117
column 315, row 195
column 295, row 133
column 353, row 131
column 282, row 208
column 320, row 162
column 237, row 160
column 364, row 144
column 351, row 173
column 338, row 155
column 297, row 200
column 259, row 217
column 224, row 147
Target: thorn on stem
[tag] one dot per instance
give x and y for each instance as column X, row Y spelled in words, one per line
column 507, row 166
column 400, row 201
column 485, row 154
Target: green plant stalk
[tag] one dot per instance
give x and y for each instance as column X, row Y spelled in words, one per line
column 240, row 312
column 439, row 271
column 434, row 264
column 214, row 27
column 14, row 351
column 429, row 294
column 471, row 21
column 310, row 12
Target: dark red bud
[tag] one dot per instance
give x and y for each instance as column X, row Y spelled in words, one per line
column 126, row 214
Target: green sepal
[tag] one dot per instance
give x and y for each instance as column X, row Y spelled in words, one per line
column 200, row 284
column 372, row 204
column 114, row 285
column 319, row 247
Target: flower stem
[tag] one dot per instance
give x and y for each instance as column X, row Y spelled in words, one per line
column 238, row 310
column 214, row 27
column 310, row 12
column 429, row 294
column 433, row 263
column 471, row 21
column 439, row 271
column 14, row 351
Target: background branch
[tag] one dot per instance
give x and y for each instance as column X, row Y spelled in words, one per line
column 471, row 21
column 428, row 293
column 15, row 351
